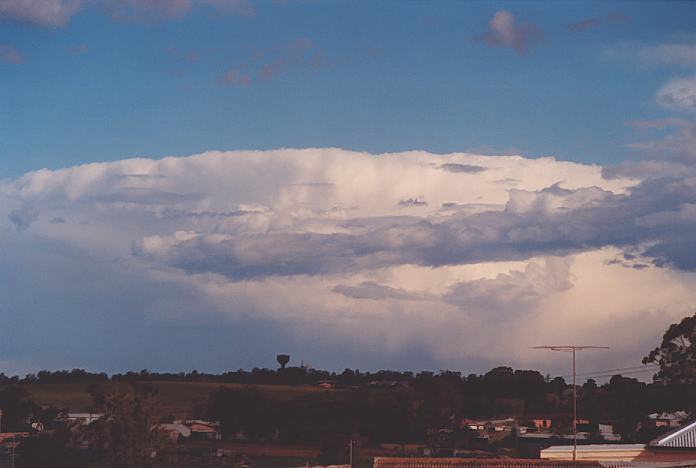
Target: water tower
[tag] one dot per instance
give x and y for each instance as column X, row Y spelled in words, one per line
column 283, row 359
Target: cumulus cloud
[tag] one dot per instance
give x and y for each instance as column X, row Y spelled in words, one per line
column 316, row 243
column 51, row 13
column 10, row 54
column 505, row 31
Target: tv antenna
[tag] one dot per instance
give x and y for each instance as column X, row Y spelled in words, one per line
column 572, row 349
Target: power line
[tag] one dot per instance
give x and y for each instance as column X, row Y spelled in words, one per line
column 621, row 369
column 625, row 373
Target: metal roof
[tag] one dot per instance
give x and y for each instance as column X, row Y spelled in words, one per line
column 596, row 448
column 681, row 437
column 389, row 462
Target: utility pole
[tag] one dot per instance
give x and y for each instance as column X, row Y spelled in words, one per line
column 350, row 448
column 572, row 349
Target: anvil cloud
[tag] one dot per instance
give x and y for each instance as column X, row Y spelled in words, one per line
column 465, row 258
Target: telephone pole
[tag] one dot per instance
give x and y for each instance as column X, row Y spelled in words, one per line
column 572, row 349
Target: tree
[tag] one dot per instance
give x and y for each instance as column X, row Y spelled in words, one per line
column 16, row 405
column 676, row 355
column 57, row 450
column 127, row 435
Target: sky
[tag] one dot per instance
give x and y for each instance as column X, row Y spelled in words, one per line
column 201, row 184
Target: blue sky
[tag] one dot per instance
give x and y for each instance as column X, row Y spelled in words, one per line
column 539, row 182
column 391, row 76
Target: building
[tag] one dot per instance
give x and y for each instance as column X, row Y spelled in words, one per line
column 674, row 449
column 203, row 430
column 80, row 418
column 491, row 425
column 175, row 430
column 389, row 462
column 683, row 438
column 675, row 419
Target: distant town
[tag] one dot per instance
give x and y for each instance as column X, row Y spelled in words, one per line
column 296, row 416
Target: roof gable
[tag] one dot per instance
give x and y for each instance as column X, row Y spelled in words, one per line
column 683, row 437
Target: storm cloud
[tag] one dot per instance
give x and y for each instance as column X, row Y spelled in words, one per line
column 320, row 241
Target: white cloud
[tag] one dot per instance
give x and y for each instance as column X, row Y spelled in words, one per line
column 318, row 243
column 679, row 94
column 53, row 13
column 505, row 31
column 58, row 13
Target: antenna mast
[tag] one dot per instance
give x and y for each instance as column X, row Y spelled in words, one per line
column 572, row 349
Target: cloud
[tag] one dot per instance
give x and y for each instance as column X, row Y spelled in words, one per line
column 467, row 169
column 505, row 31
column 79, row 49
column 235, row 77
column 23, row 217
column 676, row 143
column 241, row 7
column 49, row 13
column 413, row 202
column 375, row 291
column 595, row 21
column 313, row 245
column 168, row 9
column 678, row 94
column 672, row 54
column 10, row 54
column 292, row 53
column 515, row 289
column 268, row 64
column 144, row 10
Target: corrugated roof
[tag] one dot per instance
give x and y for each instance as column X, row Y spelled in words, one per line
column 596, row 448
column 681, row 437
column 390, row 462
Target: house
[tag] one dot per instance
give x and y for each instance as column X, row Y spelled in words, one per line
column 668, row 419
column 598, row 452
column 326, row 384
column 490, row 425
column 681, row 438
column 608, row 433
column 82, row 419
column 10, row 437
column 676, row 448
column 203, row 429
column 387, row 384
column 324, row 466
column 175, row 430
column 10, row 440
